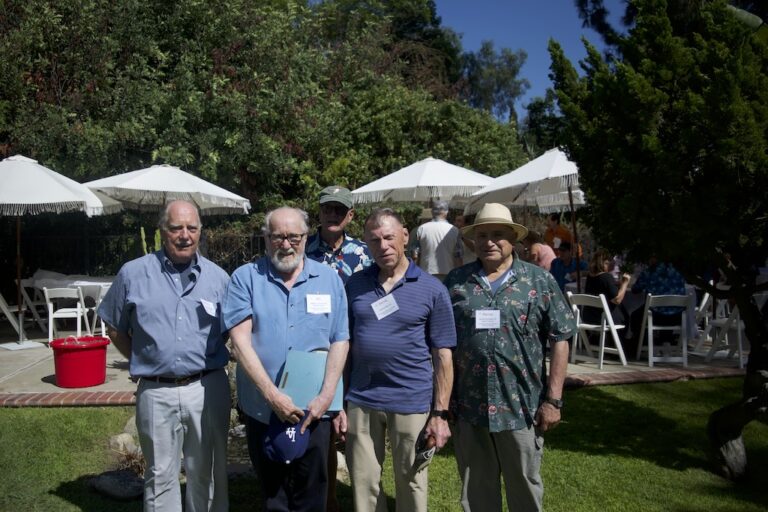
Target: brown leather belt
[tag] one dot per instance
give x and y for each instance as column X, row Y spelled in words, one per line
column 181, row 381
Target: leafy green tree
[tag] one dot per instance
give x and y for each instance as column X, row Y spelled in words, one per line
column 542, row 128
column 671, row 140
column 273, row 100
column 493, row 82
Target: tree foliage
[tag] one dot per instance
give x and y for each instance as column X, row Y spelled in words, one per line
column 671, row 141
column 270, row 99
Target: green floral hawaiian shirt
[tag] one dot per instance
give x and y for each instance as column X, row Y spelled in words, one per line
column 500, row 375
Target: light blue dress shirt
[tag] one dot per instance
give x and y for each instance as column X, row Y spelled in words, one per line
column 281, row 320
column 175, row 331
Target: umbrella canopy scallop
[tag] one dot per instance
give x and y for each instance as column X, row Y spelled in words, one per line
column 151, row 188
column 29, row 188
column 424, row 180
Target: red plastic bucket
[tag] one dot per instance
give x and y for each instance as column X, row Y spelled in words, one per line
column 80, row 362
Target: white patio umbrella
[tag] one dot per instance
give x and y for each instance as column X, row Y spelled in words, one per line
column 544, row 182
column 29, row 188
column 149, row 189
column 424, row 180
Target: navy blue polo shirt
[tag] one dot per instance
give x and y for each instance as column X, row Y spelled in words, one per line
column 391, row 362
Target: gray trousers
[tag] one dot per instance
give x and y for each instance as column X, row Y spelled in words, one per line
column 484, row 457
column 193, row 420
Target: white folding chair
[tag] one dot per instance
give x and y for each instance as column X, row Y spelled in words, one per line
column 648, row 329
column 79, row 311
column 102, row 291
column 33, row 303
column 11, row 313
column 704, row 314
column 729, row 332
column 606, row 325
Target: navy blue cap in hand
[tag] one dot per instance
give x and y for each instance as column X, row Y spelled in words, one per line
column 284, row 441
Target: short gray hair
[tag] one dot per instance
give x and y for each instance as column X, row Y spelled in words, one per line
column 162, row 221
column 268, row 219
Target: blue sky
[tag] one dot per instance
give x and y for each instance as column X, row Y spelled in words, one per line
column 526, row 25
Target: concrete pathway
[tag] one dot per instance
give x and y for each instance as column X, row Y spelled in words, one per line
column 28, row 377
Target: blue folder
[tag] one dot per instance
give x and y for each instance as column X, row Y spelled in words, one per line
column 303, row 376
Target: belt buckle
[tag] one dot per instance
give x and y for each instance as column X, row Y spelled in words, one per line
column 184, row 380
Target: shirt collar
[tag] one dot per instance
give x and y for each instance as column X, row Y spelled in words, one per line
column 167, row 263
column 412, row 273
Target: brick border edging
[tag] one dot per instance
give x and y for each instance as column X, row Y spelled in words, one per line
column 661, row 375
column 124, row 398
column 68, row 399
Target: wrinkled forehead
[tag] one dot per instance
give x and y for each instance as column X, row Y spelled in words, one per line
column 495, row 231
column 286, row 221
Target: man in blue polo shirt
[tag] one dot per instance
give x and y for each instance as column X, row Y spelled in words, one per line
column 163, row 315
column 402, row 338
column 285, row 301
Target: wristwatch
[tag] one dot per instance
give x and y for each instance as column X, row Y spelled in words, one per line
column 556, row 402
column 438, row 413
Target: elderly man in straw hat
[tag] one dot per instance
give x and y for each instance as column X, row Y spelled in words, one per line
column 506, row 310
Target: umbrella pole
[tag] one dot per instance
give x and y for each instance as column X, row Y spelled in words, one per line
column 19, row 303
column 575, row 240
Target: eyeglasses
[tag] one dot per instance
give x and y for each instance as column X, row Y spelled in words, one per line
column 293, row 238
column 330, row 209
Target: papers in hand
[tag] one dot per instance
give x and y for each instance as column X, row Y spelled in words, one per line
column 303, row 376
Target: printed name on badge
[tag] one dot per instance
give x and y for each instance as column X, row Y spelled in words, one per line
column 487, row 319
column 318, row 304
column 384, row 307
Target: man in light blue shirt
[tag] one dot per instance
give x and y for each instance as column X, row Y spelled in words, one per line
column 163, row 315
column 285, row 301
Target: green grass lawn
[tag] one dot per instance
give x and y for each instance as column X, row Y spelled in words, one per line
column 637, row 447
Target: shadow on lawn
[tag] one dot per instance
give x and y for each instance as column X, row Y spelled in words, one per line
column 599, row 423
column 79, row 493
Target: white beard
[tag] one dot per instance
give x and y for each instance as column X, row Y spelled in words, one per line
column 286, row 265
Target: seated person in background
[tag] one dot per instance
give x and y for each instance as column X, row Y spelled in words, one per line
column 538, row 253
column 658, row 279
column 600, row 280
column 563, row 268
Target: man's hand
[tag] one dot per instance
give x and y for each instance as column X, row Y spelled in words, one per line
column 282, row 405
column 315, row 410
column 340, row 425
column 438, row 428
column 547, row 417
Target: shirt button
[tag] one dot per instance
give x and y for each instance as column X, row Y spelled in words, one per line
column 290, row 327
column 179, row 318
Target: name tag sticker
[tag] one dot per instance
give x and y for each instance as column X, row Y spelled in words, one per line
column 487, row 319
column 384, row 307
column 209, row 307
column 318, row 304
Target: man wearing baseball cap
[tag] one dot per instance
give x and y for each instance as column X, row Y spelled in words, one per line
column 331, row 245
column 506, row 311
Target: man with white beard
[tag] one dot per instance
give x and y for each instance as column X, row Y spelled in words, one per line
column 285, row 301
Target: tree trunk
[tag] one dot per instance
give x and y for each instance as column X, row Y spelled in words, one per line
column 725, row 425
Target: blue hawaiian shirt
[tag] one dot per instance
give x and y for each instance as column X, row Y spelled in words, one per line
column 661, row 279
column 349, row 258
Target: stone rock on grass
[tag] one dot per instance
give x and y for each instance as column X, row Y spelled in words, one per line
column 120, row 485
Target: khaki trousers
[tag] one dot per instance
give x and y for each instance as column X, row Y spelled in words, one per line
column 483, row 457
column 366, row 432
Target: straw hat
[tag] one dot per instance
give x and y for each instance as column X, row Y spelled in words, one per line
column 495, row 213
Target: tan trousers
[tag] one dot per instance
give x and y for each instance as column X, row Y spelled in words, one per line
column 366, row 431
column 483, row 457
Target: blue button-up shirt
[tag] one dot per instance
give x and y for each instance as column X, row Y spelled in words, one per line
column 175, row 331
column 349, row 258
column 281, row 321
